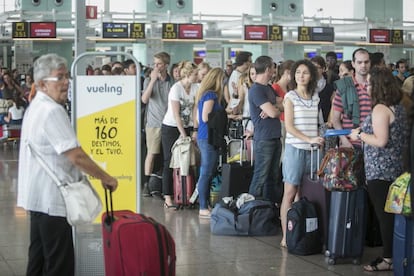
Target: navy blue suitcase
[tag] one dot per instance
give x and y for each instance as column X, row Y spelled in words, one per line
column 347, row 225
column 403, row 246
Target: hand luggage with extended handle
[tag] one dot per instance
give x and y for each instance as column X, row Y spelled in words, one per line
column 313, row 190
column 183, row 188
column 236, row 176
column 135, row 244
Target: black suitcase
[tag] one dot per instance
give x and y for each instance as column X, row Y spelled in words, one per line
column 235, row 179
column 312, row 188
column 236, row 176
column 347, row 224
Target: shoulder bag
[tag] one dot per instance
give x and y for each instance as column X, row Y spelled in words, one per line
column 398, row 199
column 82, row 202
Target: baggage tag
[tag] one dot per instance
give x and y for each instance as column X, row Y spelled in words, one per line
column 311, row 224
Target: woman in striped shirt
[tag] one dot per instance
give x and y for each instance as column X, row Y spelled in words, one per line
column 301, row 122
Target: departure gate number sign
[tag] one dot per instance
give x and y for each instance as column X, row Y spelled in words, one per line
column 20, row 29
column 169, row 31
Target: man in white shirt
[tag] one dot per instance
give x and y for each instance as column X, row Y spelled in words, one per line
column 47, row 128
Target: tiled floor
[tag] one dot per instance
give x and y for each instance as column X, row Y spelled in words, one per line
column 198, row 252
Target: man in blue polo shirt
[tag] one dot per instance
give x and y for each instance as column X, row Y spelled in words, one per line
column 267, row 131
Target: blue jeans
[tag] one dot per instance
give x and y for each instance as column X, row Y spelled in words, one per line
column 266, row 169
column 209, row 158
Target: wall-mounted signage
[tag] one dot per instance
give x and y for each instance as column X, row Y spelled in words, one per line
column 397, row 37
column 43, row 30
column 304, row 33
column 190, row 31
column 325, row 34
column 255, row 32
column 137, row 30
column 379, row 36
column 91, row 12
column 20, row 29
column 169, row 31
column 276, row 33
column 114, row 30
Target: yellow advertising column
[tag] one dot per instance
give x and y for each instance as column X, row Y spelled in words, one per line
column 106, row 125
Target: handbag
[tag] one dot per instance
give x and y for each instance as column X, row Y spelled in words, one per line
column 82, row 202
column 338, row 170
column 398, row 199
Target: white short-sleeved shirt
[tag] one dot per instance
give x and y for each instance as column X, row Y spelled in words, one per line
column 305, row 118
column 177, row 93
column 47, row 126
column 16, row 113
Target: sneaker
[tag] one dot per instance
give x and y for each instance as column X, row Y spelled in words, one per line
column 145, row 190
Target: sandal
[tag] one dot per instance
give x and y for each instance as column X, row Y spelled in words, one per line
column 380, row 264
column 172, row 206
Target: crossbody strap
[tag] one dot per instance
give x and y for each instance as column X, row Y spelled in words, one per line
column 44, row 165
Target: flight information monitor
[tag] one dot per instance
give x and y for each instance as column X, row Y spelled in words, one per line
column 43, row 30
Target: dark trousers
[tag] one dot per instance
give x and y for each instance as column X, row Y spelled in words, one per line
column 51, row 250
column 378, row 191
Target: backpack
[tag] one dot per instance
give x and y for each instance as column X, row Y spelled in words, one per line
column 155, row 183
column 303, row 235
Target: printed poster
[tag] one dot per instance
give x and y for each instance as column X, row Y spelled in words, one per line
column 106, row 128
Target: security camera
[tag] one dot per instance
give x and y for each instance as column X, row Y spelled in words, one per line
column 36, row 2
column 292, row 7
column 180, row 4
column 274, row 6
column 159, row 3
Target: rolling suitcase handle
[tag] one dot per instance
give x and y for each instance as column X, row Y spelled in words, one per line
column 110, row 218
column 314, row 172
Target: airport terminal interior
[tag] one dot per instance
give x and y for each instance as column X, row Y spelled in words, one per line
column 198, row 251
column 219, row 37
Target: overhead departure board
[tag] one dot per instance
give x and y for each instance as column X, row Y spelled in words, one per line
column 397, row 37
column 323, row 34
column 190, row 31
column 276, row 33
column 169, row 31
column 137, row 30
column 43, row 30
column 255, row 32
column 20, row 29
column 114, row 30
column 379, row 36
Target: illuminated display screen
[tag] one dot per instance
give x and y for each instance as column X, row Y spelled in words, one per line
column 43, row 30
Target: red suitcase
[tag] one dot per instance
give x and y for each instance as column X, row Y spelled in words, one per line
column 135, row 244
column 183, row 188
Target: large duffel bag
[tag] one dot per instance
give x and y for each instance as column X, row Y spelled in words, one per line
column 253, row 218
